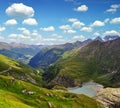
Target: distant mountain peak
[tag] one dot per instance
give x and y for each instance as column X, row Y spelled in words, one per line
column 106, row 38
column 98, row 39
column 110, row 37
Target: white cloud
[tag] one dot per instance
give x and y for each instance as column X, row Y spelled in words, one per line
column 57, row 36
column 30, row 21
column 65, row 27
column 48, row 29
column 19, row 10
column 26, row 32
column 49, row 39
column 82, row 8
column 73, row 20
column 13, row 36
column 96, row 34
column 2, row 29
column 11, row 22
column 112, row 33
column 81, row 37
column 115, row 20
column 70, row 31
column 106, row 20
column 77, row 24
column 86, row 29
column 35, row 33
column 2, row 38
column 21, row 36
column 18, row 36
column 113, row 8
column 97, row 23
column 21, row 29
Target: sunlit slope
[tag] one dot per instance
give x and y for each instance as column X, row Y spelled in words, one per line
column 20, row 94
column 19, row 70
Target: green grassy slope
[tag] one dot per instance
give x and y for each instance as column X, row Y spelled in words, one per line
column 12, row 96
column 99, row 61
column 19, row 71
column 51, row 54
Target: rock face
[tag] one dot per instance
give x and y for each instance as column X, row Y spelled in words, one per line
column 109, row 97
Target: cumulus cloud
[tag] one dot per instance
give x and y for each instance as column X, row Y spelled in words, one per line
column 2, row 29
column 70, row 31
column 30, row 21
column 13, row 36
column 24, row 31
column 97, row 23
column 82, row 8
column 65, row 27
column 48, row 29
column 18, row 36
column 113, row 8
column 106, row 20
column 115, row 20
column 86, row 29
column 19, row 10
column 96, row 34
column 111, row 33
column 76, row 22
column 81, row 37
column 72, row 20
column 11, row 22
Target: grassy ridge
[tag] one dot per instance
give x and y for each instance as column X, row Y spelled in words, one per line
column 12, row 96
column 19, row 70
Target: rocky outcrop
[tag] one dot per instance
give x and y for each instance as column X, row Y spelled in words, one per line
column 109, row 97
column 63, row 80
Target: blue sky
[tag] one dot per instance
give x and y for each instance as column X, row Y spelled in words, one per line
column 57, row 21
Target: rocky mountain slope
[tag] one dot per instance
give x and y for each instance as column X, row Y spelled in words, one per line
column 109, row 97
column 99, row 61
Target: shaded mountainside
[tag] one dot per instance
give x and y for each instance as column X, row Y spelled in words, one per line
column 20, row 52
column 99, row 61
column 51, row 54
column 10, row 67
column 20, row 94
column 109, row 97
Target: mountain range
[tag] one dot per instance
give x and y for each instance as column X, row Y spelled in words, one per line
column 97, row 60
column 50, row 54
column 18, row 51
column 56, row 68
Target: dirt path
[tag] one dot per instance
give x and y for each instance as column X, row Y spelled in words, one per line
column 4, row 71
